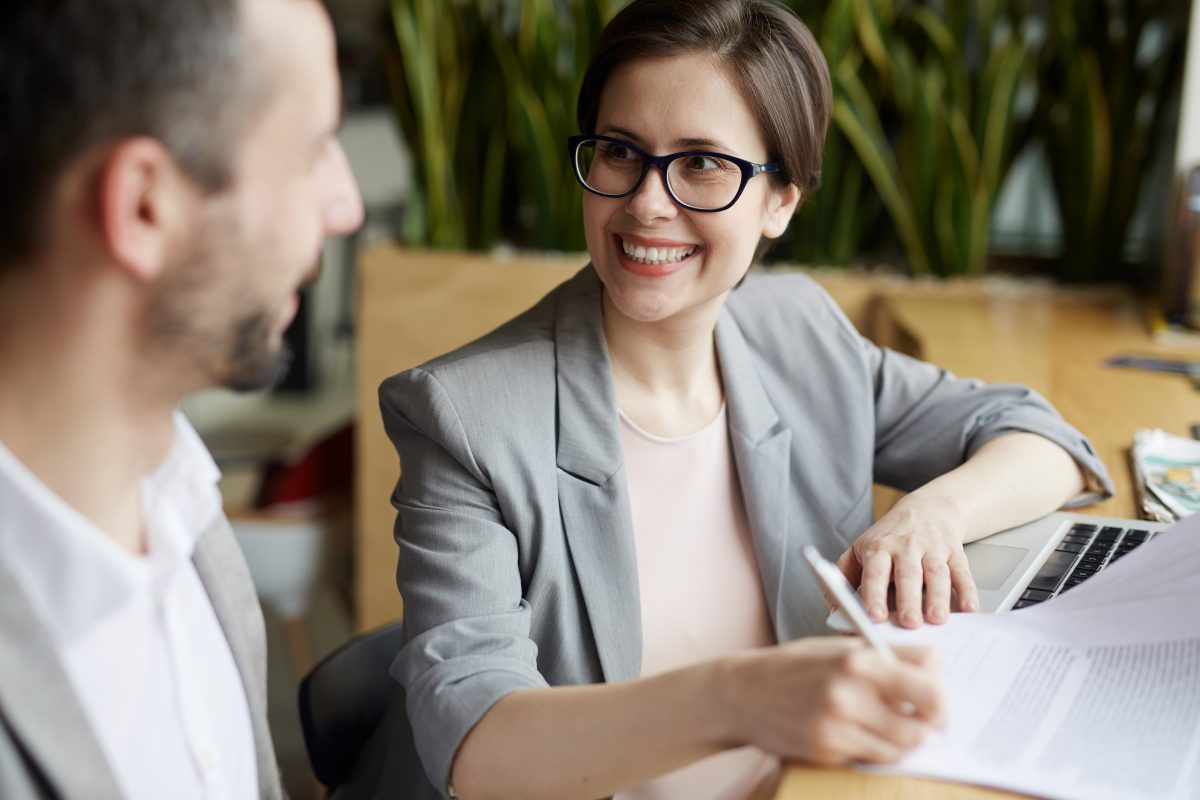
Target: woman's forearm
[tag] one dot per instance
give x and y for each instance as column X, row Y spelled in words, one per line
column 591, row 741
column 825, row 700
column 1008, row 482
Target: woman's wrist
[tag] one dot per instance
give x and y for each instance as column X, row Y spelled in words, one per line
column 721, row 690
column 727, row 681
column 1008, row 481
column 949, row 510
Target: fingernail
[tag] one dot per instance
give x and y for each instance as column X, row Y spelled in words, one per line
column 937, row 612
column 876, row 612
column 912, row 618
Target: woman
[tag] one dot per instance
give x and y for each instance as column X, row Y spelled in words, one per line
column 603, row 502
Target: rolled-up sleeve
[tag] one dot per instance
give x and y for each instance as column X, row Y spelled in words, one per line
column 467, row 625
column 928, row 421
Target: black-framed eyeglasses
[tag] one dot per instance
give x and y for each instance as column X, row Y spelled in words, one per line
column 696, row 179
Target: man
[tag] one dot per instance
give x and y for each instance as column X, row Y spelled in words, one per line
column 169, row 171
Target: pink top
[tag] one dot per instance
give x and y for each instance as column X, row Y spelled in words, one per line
column 700, row 587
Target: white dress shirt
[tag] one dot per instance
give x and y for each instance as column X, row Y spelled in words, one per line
column 137, row 634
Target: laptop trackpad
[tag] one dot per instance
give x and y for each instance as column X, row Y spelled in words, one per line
column 991, row 564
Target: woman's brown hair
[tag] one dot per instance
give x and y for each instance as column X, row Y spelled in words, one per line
column 769, row 54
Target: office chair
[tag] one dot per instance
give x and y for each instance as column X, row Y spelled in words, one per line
column 343, row 699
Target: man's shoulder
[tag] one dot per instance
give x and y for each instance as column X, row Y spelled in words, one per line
column 47, row 748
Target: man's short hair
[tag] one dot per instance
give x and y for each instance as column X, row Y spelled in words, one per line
column 75, row 74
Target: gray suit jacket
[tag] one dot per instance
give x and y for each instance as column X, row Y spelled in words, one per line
column 47, row 749
column 517, row 560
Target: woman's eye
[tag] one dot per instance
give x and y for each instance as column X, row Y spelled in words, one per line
column 618, row 152
column 703, row 163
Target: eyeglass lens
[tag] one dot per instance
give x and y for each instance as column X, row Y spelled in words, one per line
column 699, row 181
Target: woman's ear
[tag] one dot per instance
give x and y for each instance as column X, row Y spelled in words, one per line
column 141, row 203
column 782, row 203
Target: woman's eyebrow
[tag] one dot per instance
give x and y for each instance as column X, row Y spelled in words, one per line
column 709, row 143
column 682, row 144
column 612, row 130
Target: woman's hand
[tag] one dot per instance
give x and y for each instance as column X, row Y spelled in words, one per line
column 918, row 545
column 833, row 700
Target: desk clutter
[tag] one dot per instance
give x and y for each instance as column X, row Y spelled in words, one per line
column 1166, row 472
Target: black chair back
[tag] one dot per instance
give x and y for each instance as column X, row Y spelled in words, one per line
column 343, row 699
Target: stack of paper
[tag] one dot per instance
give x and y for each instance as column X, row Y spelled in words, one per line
column 1092, row 695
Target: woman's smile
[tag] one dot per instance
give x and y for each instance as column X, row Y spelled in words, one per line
column 653, row 257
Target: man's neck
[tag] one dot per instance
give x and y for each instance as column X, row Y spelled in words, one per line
column 81, row 415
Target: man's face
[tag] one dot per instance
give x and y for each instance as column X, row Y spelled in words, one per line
column 225, row 302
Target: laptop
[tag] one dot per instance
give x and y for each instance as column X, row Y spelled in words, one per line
column 1032, row 563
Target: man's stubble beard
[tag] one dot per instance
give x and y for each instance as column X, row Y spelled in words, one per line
column 252, row 361
column 201, row 314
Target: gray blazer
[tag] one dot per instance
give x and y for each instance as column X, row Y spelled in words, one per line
column 47, row 749
column 517, row 562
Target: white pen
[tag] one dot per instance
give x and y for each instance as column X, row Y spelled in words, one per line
column 839, row 588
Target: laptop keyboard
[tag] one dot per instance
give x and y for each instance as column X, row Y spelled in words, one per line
column 1084, row 551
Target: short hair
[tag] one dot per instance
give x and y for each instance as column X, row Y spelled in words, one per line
column 769, row 54
column 76, row 74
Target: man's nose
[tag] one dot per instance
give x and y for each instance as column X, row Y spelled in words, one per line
column 343, row 205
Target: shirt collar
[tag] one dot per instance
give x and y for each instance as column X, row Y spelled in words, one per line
column 73, row 573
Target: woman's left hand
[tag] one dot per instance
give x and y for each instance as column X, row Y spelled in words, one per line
column 918, row 545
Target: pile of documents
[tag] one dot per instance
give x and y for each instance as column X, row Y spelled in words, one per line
column 1166, row 472
column 1093, row 695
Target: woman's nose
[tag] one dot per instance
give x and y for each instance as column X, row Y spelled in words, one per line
column 651, row 200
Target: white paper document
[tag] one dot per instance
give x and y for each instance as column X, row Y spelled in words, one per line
column 1092, row 695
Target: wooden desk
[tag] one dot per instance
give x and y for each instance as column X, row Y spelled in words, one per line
column 848, row 784
column 1053, row 340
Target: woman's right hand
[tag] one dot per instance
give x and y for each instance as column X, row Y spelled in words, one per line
column 832, row 701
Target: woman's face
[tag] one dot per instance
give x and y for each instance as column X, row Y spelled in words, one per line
column 667, row 105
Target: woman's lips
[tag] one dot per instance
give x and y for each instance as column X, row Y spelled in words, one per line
column 661, row 252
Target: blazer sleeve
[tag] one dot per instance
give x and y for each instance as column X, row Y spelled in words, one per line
column 928, row 421
column 467, row 625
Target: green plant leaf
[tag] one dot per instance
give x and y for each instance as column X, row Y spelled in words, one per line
column 871, row 22
column 855, row 116
column 948, row 51
column 1000, row 96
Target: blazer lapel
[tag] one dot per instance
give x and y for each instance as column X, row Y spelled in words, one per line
column 39, row 704
column 593, row 495
column 761, row 451
column 222, row 570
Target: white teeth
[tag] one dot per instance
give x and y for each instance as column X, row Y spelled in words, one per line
column 656, row 255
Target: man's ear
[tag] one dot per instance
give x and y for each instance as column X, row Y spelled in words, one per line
column 781, row 205
column 143, row 200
